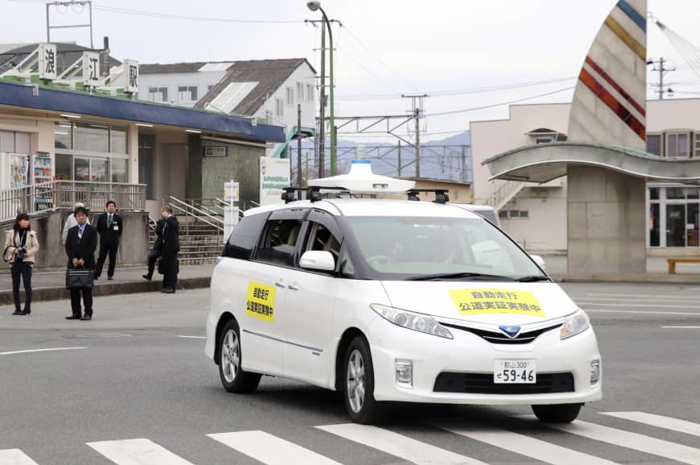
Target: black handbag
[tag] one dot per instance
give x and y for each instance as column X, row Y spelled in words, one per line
column 79, row 278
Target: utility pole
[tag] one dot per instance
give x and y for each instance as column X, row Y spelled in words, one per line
column 417, row 110
column 299, row 182
column 659, row 66
column 464, row 160
column 322, row 98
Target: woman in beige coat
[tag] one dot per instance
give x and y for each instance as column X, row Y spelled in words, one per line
column 21, row 246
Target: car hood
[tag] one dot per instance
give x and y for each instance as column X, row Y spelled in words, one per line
column 481, row 301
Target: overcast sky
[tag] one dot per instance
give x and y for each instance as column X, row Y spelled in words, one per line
column 385, row 46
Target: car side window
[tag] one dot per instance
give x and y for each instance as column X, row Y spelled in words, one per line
column 320, row 238
column 279, row 242
column 244, row 236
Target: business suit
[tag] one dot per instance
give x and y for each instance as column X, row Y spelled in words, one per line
column 169, row 249
column 110, row 231
column 81, row 247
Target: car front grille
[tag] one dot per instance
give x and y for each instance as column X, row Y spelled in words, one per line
column 496, row 337
column 482, row 383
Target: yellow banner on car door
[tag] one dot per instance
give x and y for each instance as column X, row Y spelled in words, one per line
column 261, row 301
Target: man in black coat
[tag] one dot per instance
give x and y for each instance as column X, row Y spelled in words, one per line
column 80, row 247
column 169, row 231
column 110, row 228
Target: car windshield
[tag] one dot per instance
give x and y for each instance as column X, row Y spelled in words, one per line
column 397, row 248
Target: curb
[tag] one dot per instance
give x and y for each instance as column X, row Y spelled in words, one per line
column 626, row 278
column 45, row 294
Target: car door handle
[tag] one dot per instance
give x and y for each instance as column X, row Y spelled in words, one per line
column 278, row 284
column 293, row 287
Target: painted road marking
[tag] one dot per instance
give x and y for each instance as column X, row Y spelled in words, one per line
column 270, row 449
column 651, row 301
column 55, row 349
column 639, row 442
column 640, row 312
column 137, row 452
column 527, row 446
column 681, row 327
column 396, row 444
column 191, row 337
column 641, row 296
column 598, row 304
column 660, row 421
column 15, row 457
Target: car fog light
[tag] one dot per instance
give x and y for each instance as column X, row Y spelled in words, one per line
column 404, row 373
column 595, row 372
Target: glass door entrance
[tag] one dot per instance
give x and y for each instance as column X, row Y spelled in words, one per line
column 91, row 169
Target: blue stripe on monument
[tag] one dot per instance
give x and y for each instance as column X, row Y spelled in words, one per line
column 633, row 14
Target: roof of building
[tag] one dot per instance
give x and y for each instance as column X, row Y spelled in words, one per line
column 82, row 103
column 268, row 74
column 66, row 55
column 171, row 68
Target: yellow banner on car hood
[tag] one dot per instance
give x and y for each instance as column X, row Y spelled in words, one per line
column 481, row 301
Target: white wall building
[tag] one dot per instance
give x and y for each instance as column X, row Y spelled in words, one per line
column 535, row 215
column 181, row 84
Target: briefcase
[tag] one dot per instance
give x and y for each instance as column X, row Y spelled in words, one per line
column 79, row 278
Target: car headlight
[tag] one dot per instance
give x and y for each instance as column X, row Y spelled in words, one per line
column 410, row 320
column 575, row 324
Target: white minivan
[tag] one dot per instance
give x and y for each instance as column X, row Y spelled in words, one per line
column 392, row 300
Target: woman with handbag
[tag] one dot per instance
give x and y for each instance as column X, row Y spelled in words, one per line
column 80, row 248
column 21, row 245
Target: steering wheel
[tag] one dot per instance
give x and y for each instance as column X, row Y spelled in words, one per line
column 379, row 260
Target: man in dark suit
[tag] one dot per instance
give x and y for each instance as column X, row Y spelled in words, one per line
column 169, row 231
column 110, row 228
column 80, row 247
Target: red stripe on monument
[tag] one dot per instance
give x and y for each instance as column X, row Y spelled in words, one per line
column 615, row 85
column 609, row 99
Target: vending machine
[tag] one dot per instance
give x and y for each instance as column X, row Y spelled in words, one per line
column 42, row 168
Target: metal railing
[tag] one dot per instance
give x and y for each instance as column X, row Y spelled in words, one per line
column 57, row 195
column 197, row 213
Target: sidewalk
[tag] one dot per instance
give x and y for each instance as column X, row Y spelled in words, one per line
column 50, row 285
column 657, row 272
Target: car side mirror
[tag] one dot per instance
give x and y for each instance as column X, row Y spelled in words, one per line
column 317, row 260
column 539, row 260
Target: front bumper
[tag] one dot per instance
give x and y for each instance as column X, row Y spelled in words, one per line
column 469, row 353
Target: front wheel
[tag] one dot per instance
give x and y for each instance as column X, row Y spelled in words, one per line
column 358, row 383
column 232, row 375
column 560, row 413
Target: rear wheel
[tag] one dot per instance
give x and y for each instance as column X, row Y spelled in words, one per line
column 560, row 413
column 232, row 375
column 358, row 383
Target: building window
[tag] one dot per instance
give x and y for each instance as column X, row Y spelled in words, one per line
column 147, row 164
column 697, row 145
column 158, row 94
column 674, row 216
column 290, row 96
column 514, row 214
column 279, row 107
column 678, row 145
column 310, row 95
column 91, row 137
column 300, row 91
column 543, row 140
column 187, row 94
column 654, row 144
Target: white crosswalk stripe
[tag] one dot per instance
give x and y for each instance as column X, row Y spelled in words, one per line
column 269, row 449
column 137, row 452
column 639, row 442
column 396, row 444
column 15, row 457
column 682, row 426
column 527, row 446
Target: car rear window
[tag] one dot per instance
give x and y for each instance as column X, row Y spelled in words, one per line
column 244, row 237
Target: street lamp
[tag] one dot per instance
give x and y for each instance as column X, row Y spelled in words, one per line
column 315, row 6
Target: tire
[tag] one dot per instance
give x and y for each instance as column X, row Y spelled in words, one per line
column 233, row 377
column 358, row 383
column 559, row 413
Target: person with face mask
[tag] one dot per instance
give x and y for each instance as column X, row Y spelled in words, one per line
column 21, row 245
column 80, row 248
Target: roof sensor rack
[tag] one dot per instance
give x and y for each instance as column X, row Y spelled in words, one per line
column 441, row 195
column 316, row 195
column 288, row 194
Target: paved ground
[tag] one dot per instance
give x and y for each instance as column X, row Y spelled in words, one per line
column 131, row 375
column 557, row 265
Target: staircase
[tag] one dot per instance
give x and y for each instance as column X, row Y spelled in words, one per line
column 201, row 233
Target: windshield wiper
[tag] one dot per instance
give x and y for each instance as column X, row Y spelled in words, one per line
column 476, row 276
column 533, row 279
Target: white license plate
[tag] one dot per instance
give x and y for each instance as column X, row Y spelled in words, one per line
column 514, row 372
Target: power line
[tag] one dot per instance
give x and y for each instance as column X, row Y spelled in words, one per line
column 484, row 107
